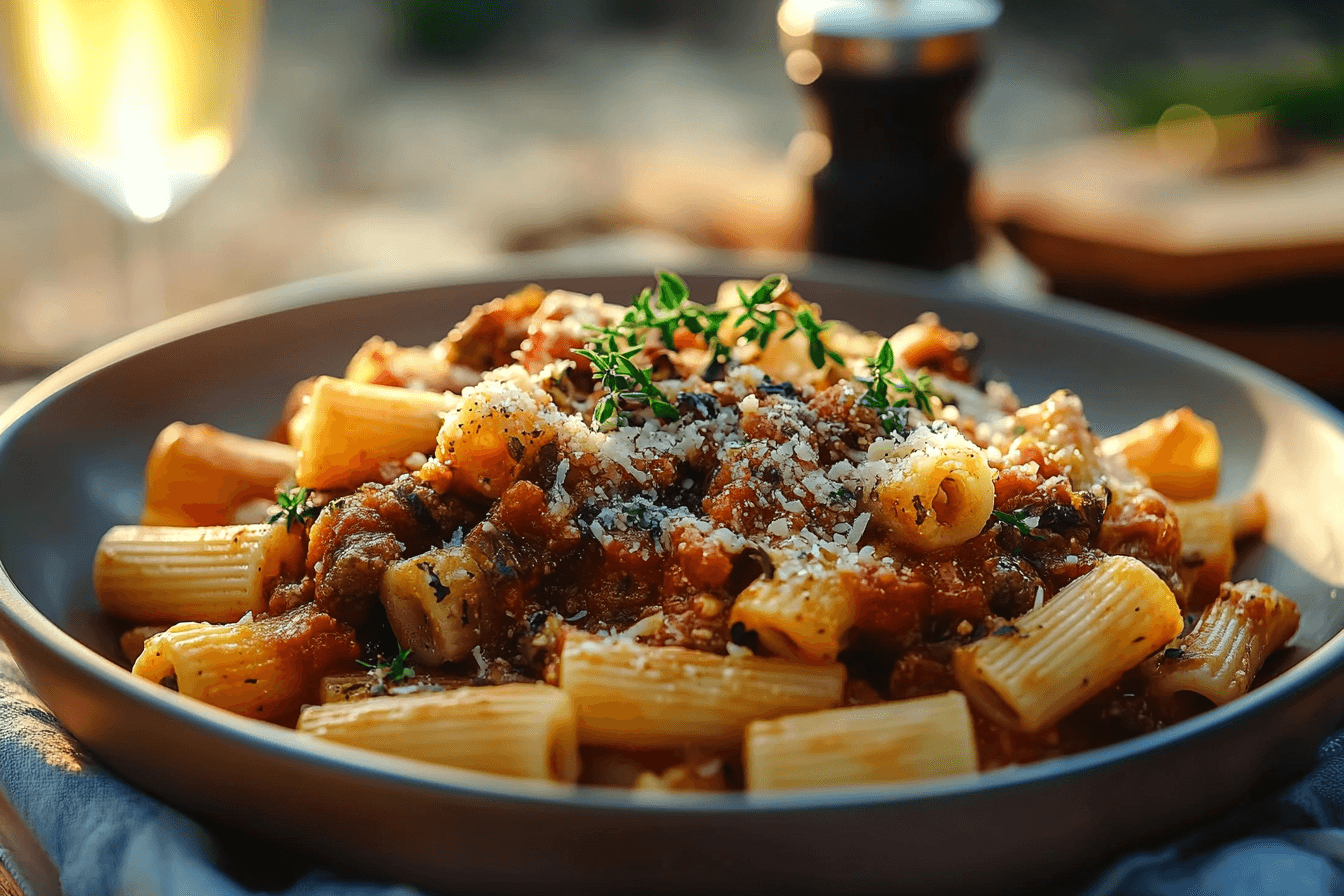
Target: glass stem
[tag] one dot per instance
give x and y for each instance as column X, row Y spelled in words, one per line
column 146, row 302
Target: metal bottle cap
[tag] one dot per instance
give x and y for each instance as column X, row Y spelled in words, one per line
column 883, row 37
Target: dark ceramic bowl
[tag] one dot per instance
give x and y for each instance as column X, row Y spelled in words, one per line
column 71, row 458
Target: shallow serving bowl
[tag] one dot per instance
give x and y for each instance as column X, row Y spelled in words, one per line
column 71, row 459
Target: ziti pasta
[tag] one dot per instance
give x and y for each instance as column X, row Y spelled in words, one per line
column 693, row 546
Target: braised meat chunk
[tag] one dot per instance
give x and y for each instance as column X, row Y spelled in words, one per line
column 356, row 538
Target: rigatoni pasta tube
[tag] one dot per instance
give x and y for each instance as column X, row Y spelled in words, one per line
column 926, row 737
column 1206, row 546
column 263, row 668
column 1223, row 652
column 631, row 695
column 199, row 475
column 1180, row 454
column 523, row 730
column 208, row 574
column 354, row 428
column 933, row 490
column 1250, row 515
column 800, row 612
column 1050, row 661
column 926, row 342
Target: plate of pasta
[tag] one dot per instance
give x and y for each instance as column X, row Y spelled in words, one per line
column 586, row 579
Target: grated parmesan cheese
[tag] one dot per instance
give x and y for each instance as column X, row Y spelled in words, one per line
column 860, row 524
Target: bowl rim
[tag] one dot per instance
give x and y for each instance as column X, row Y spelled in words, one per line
column 282, row 743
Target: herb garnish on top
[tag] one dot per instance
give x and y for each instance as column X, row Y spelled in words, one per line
column 294, row 508
column 624, row 381
column 397, row 670
column 882, row 390
column 667, row 309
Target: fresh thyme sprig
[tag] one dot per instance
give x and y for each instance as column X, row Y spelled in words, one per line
column 806, row 322
column 666, row 311
column 624, row 381
column 397, row 670
column 919, row 390
column 883, row 392
column 667, row 308
column 294, row 508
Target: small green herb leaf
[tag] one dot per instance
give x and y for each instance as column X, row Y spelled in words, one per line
column 397, row 670
column 919, row 389
column 294, row 508
column 817, row 351
column 1021, row 520
column 664, row 312
column 760, row 322
column 672, row 291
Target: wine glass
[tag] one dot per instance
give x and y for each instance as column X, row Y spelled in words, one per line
column 139, row 103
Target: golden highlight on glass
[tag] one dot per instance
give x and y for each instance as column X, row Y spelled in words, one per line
column 138, row 102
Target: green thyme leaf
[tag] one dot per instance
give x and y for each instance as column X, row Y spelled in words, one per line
column 919, row 389
column 759, row 322
column 664, row 312
column 397, row 670
column 672, row 290
column 1021, row 520
column 817, row 351
column 886, row 358
column 294, row 508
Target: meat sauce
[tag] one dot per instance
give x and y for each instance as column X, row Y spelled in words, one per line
column 670, row 540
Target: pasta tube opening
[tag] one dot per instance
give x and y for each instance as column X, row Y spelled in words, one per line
column 935, row 489
column 1229, row 643
column 799, row 612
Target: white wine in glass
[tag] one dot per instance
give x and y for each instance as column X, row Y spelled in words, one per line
column 137, row 102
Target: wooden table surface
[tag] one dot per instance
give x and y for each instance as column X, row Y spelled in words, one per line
column 27, row 855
